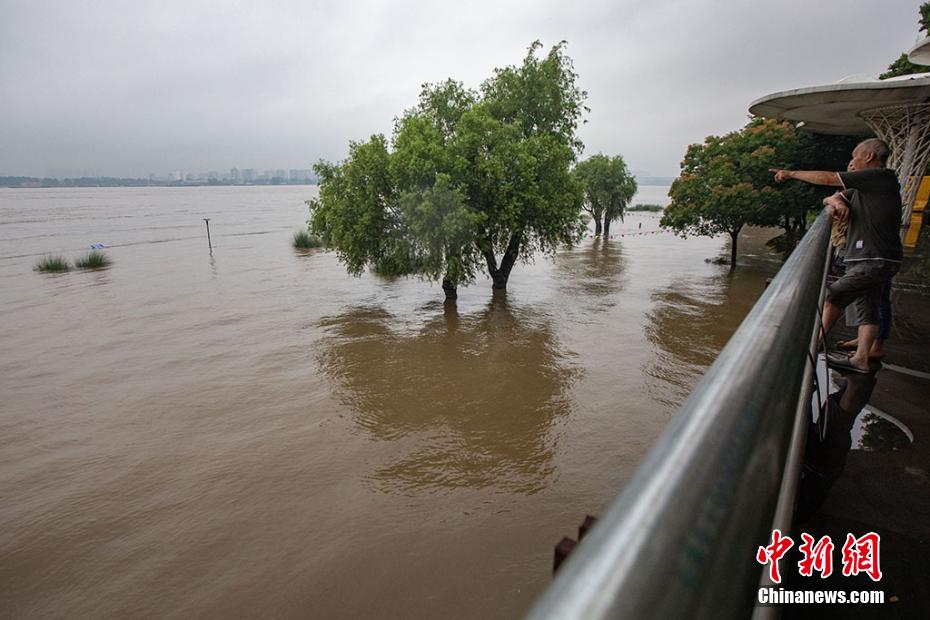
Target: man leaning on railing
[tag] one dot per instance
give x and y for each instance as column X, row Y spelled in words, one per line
column 871, row 202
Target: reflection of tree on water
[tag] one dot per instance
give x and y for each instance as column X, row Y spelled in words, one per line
column 593, row 270
column 879, row 434
column 469, row 400
column 690, row 323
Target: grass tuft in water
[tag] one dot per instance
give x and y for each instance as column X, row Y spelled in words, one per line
column 52, row 264
column 93, row 260
column 303, row 240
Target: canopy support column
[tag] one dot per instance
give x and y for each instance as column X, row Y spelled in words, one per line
column 906, row 129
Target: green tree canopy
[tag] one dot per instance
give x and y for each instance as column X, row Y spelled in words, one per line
column 608, row 189
column 471, row 182
column 726, row 183
column 903, row 66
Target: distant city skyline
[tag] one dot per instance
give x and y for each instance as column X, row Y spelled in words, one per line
column 240, row 174
column 234, row 176
column 247, row 175
column 109, row 89
column 176, row 173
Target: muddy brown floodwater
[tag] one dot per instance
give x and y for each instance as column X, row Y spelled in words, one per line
column 253, row 433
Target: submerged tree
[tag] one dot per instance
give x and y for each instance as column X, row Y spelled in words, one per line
column 726, row 183
column 608, row 189
column 471, row 182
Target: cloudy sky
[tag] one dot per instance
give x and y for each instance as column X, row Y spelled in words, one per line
column 128, row 88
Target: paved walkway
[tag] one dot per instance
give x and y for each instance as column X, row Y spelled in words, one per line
column 880, row 485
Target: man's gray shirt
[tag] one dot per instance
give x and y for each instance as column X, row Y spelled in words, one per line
column 874, row 199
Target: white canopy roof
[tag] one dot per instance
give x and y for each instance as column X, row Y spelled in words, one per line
column 835, row 108
column 920, row 53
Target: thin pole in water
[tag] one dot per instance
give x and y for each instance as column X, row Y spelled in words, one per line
column 209, row 242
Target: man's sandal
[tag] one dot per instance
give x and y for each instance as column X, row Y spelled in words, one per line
column 843, row 363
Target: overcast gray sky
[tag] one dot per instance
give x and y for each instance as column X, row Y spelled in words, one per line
column 128, row 88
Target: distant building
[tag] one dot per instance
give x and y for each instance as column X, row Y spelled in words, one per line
column 234, row 175
column 300, row 175
column 248, row 174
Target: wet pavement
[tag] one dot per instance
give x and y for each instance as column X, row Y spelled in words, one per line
column 868, row 474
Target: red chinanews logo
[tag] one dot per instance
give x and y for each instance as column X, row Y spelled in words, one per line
column 860, row 555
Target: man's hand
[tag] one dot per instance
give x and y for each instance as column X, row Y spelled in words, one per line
column 837, row 207
column 781, row 175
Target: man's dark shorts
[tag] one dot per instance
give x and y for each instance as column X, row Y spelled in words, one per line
column 860, row 290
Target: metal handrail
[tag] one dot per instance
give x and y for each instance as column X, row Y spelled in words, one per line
column 680, row 541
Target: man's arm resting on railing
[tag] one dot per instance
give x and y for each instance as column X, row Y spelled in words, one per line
column 814, row 177
column 837, row 206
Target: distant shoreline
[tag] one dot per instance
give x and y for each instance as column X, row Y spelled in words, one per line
column 659, row 181
column 88, row 185
column 18, row 182
column 188, row 185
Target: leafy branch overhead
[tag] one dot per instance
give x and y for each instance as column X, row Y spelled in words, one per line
column 470, row 182
column 903, row 66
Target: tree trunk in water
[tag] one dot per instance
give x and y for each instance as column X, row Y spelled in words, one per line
column 500, row 275
column 450, row 311
column 733, row 237
column 449, row 288
column 597, row 227
column 606, row 227
column 491, row 260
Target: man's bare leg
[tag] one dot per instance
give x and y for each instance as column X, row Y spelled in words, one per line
column 831, row 314
column 867, row 335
